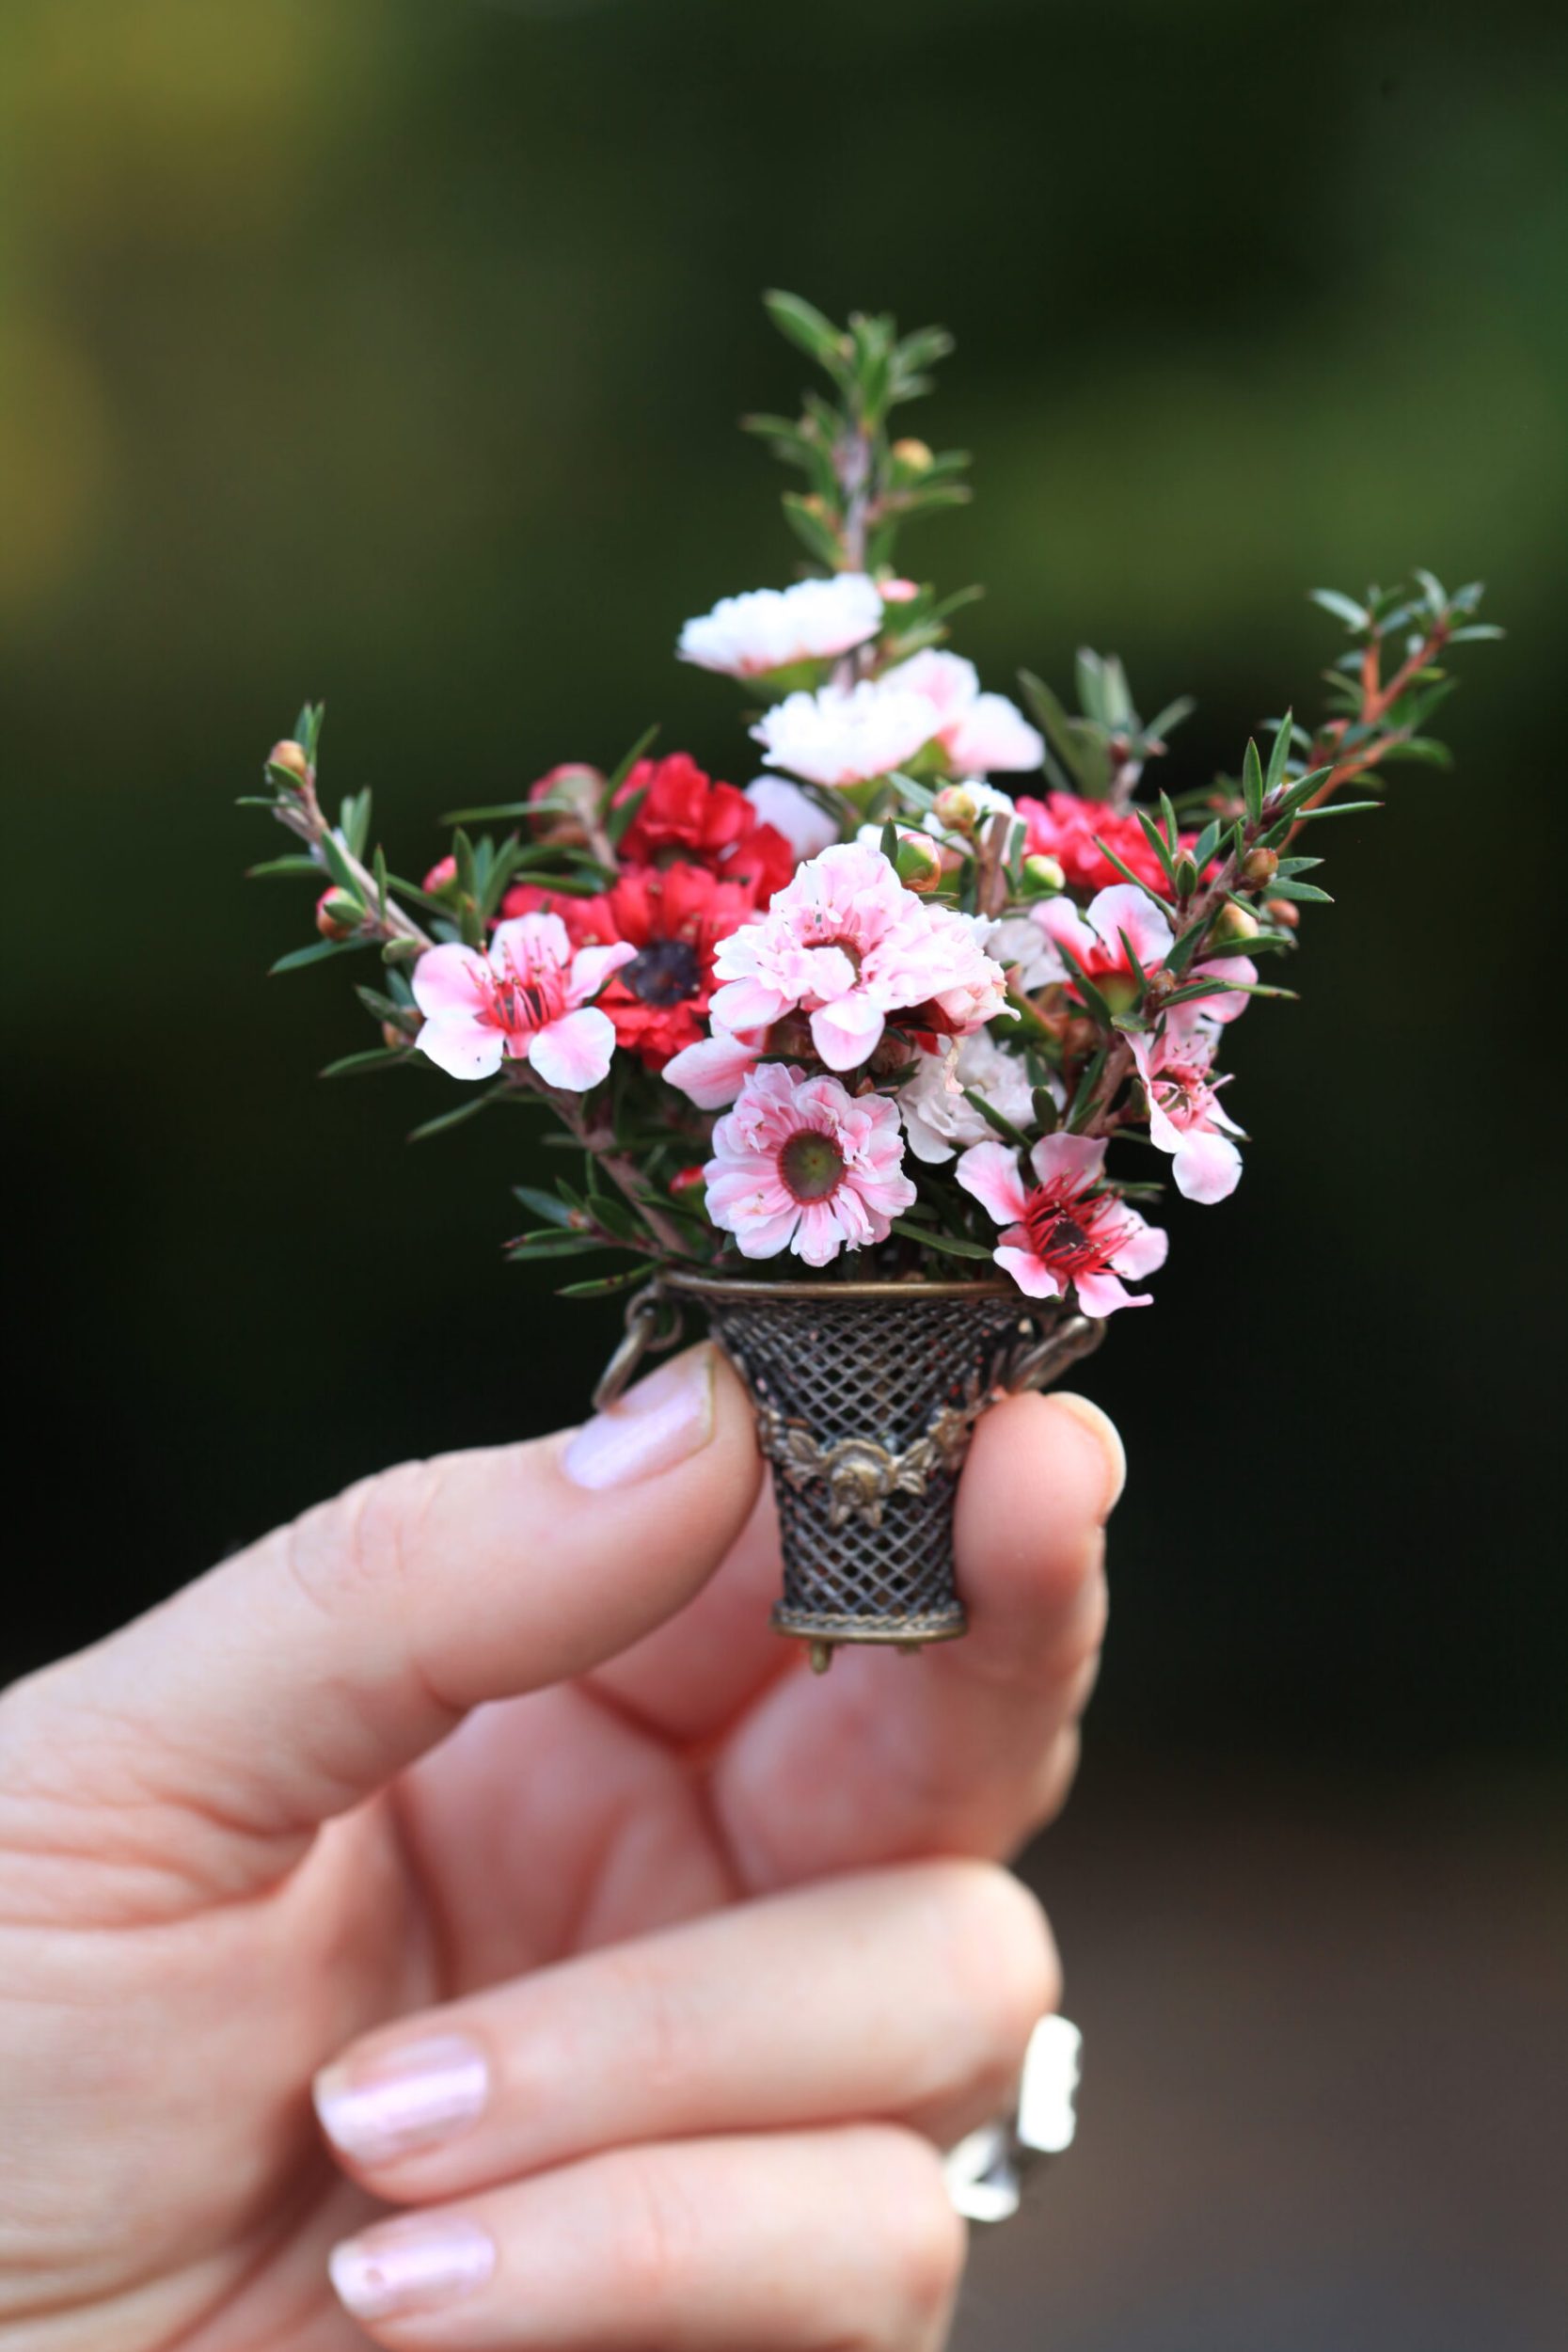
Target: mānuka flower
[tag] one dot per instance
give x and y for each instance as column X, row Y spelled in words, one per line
column 527, row 999
column 802, row 1163
column 1064, row 1233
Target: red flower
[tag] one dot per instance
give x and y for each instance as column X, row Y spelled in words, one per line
column 675, row 916
column 1064, row 827
column 686, row 814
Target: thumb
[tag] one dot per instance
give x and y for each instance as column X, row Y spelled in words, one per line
column 219, row 1730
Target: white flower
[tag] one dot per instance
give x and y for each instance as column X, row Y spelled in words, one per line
column 845, row 736
column 938, row 1118
column 803, row 822
column 770, row 627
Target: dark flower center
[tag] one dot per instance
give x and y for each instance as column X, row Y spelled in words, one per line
column 812, row 1166
column 667, row 972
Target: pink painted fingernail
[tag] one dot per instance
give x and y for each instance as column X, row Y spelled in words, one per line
column 1106, row 1435
column 412, row 2096
column 664, row 1420
column 417, row 2266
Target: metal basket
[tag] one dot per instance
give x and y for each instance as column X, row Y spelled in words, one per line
column 866, row 1397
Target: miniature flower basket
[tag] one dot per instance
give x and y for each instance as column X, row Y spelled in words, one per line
column 846, row 1053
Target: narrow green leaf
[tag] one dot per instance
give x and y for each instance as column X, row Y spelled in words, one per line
column 1343, row 608
column 1252, row 783
column 948, row 1244
column 373, row 1057
column 317, row 952
column 439, row 1125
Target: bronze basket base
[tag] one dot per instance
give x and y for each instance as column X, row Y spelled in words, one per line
column 825, row 1629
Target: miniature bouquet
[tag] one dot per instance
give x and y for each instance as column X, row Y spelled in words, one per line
column 880, row 1061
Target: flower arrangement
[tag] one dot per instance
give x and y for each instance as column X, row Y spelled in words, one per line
column 875, row 1018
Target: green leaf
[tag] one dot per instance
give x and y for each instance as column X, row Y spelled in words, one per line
column 807, row 329
column 993, row 1118
column 622, row 816
column 439, row 1125
column 1165, row 721
column 1336, row 808
column 1086, row 988
column 1343, row 608
column 373, row 1057
column 282, row 865
column 545, row 1204
column 1279, row 755
column 1127, row 874
column 1156, row 840
column 1476, row 632
column 1078, row 1107
column 628, row 760
column 602, row 1285
column 317, row 952
column 816, row 533
column 338, row 867
column 1252, row 783
column 948, row 1244
column 1288, row 889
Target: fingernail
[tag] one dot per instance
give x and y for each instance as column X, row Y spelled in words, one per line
column 413, row 2096
column 663, row 1421
column 1106, row 1435
column 410, row 2266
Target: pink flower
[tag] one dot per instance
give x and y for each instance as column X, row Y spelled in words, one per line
column 1184, row 1114
column 800, row 1163
column 525, row 1001
column 978, row 732
column 939, row 1117
column 1096, row 943
column 845, row 943
column 712, row 1072
column 1061, row 1231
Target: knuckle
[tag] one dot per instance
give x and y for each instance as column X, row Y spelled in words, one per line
column 1004, row 1962
column 362, row 1540
column 656, row 2238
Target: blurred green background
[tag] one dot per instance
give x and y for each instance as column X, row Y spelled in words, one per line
column 391, row 352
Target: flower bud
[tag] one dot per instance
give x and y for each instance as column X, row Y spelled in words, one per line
column 1259, row 865
column 441, row 877
column 1044, row 877
column 291, row 755
column 918, row 863
column 1283, row 912
column 1187, row 877
column 572, row 792
column 898, row 591
column 338, row 915
column 1234, row 922
column 391, row 1035
column 686, row 1180
column 916, row 456
column 958, row 807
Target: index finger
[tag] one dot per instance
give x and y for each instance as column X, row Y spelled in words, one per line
column 967, row 1748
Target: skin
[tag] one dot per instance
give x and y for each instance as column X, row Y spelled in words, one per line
column 478, row 1749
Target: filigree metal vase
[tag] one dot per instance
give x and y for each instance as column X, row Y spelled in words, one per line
column 866, row 1397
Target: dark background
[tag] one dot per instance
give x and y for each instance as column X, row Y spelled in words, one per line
column 391, row 353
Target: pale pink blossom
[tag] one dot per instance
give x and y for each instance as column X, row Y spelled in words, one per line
column 771, row 627
column 804, row 823
column 846, row 944
column 712, row 1072
column 978, row 732
column 1060, row 1231
column 800, row 1163
column 843, row 735
column 1184, row 1115
column 939, row 1117
column 526, row 1000
column 1125, row 916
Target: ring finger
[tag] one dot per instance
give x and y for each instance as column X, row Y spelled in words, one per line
column 791, row 2242
column 906, row 1994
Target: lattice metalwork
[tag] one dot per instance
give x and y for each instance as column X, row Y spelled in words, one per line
column 865, row 1405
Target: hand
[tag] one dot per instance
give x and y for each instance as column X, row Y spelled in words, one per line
column 647, row 1970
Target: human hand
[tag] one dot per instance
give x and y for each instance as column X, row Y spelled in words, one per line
column 648, row 1971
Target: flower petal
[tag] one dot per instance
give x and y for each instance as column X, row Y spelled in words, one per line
column 846, row 1031
column 463, row 1049
column 574, row 1053
column 529, row 937
column 1124, row 907
column 1101, row 1294
column 1032, row 1275
column 711, row 1072
column 450, row 980
column 1207, row 1166
column 592, row 966
column 989, row 1172
column 1145, row 1249
column 1071, row 1160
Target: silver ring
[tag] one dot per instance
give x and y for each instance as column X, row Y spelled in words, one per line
column 986, row 2173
